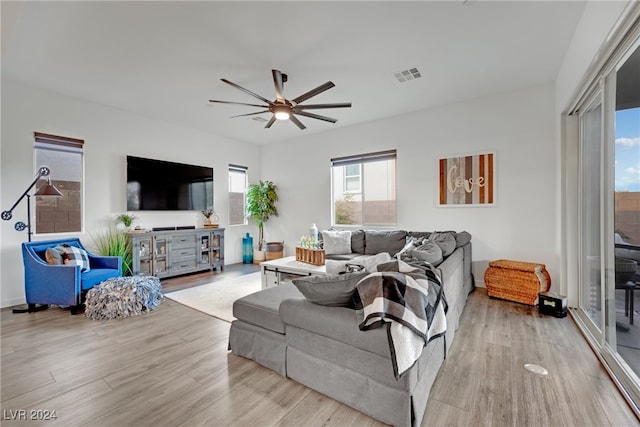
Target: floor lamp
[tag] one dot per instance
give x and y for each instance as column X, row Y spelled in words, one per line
column 47, row 190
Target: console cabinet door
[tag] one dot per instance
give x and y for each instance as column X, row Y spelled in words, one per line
column 141, row 256
column 160, row 261
column 217, row 249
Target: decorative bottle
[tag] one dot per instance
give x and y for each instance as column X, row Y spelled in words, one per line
column 313, row 233
column 247, row 249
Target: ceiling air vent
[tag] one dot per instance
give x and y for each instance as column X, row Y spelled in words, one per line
column 406, row 75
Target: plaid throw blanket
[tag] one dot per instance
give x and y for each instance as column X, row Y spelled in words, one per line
column 409, row 302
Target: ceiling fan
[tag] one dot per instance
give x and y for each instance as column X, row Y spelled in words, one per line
column 283, row 108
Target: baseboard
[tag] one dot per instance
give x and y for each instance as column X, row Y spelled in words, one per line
column 12, row 302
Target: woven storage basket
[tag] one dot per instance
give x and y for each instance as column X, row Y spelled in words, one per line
column 516, row 280
column 310, row 256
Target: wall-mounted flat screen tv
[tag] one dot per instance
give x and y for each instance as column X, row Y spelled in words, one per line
column 158, row 185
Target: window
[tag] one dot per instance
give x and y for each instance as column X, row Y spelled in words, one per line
column 364, row 189
column 352, row 178
column 64, row 157
column 237, row 194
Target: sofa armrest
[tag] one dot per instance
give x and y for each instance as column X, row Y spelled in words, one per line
column 51, row 284
column 111, row 262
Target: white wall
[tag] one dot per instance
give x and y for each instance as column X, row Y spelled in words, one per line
column 518, row 127
column 110, row 134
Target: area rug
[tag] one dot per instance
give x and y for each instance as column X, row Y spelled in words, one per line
column 216, row 298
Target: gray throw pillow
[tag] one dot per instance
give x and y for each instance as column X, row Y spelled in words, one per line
column 336, row 242
column 462, row 238
column 391, row 242
column 428, row 251
column 357, row 241
column 333, row 291
column 445, row 240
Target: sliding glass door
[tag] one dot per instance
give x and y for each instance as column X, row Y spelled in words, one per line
column 609, row 218
column 591, row 291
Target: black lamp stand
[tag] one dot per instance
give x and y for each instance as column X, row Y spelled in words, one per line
column 47, row 190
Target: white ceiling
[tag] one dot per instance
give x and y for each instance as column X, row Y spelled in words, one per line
column 164, row 60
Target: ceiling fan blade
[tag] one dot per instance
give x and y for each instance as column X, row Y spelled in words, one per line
column 250, row 114
column 270, row 122
column 247, row 91
column 313, row 92
column 297, row 122
column 321, row 106
column 279, row 84
column 315, row 116
column 237, row 103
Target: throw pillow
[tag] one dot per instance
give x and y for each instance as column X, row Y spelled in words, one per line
column 462, row 238
column 445, row 240
column 76, row 256
column 372, row 262
column 334, row 267
column 427, row 251
column 336, row 242
column 384, row 241
column 357, row 241
column 333, row 291
column 53, row 256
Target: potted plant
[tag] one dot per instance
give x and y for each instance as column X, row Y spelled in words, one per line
column 114, row 242
column 261, row 205
column 126, row 219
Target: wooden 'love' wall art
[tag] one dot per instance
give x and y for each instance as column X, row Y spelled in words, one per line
column 467, row 180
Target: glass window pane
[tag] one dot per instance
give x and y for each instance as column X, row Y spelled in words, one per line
column 237, row 193
column 364, row 193
column 53, row 214
column 379, row 186
column 591, row 295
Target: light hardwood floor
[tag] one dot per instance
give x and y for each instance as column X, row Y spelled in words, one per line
column 171, row 367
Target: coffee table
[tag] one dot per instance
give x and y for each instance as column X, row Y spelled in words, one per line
column 278, row 271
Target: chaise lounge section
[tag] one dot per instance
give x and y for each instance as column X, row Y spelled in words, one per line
column 322, row 346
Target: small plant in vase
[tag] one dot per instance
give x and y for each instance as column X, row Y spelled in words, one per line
column 211, row 218
column 126, row 219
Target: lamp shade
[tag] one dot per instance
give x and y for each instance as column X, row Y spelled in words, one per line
column 48, row 190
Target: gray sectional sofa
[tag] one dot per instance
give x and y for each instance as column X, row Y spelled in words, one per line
column 322, row 347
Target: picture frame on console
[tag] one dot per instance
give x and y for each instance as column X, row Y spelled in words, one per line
column 467, row 180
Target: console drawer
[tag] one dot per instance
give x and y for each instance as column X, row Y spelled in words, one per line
column 183, row 241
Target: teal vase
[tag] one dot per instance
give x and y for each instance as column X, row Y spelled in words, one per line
column 247, row 249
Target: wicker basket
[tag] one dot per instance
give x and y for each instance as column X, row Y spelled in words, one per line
column 516, row 280
column 310, row 256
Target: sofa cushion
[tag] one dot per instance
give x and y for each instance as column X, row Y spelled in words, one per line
column 90, row 278
column 261, row 308
column 357, row 241
column 336, row 242
column 333, row 291
column 384, row 241
column 338, row 323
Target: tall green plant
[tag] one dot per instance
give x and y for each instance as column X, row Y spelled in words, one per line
column 261, row 205
column 114, row 242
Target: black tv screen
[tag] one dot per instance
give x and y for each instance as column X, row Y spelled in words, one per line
column 157, row 185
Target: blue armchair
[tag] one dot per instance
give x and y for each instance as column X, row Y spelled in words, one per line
column 64, row 285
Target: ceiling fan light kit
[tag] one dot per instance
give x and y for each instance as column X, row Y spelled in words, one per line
column 285, row 109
